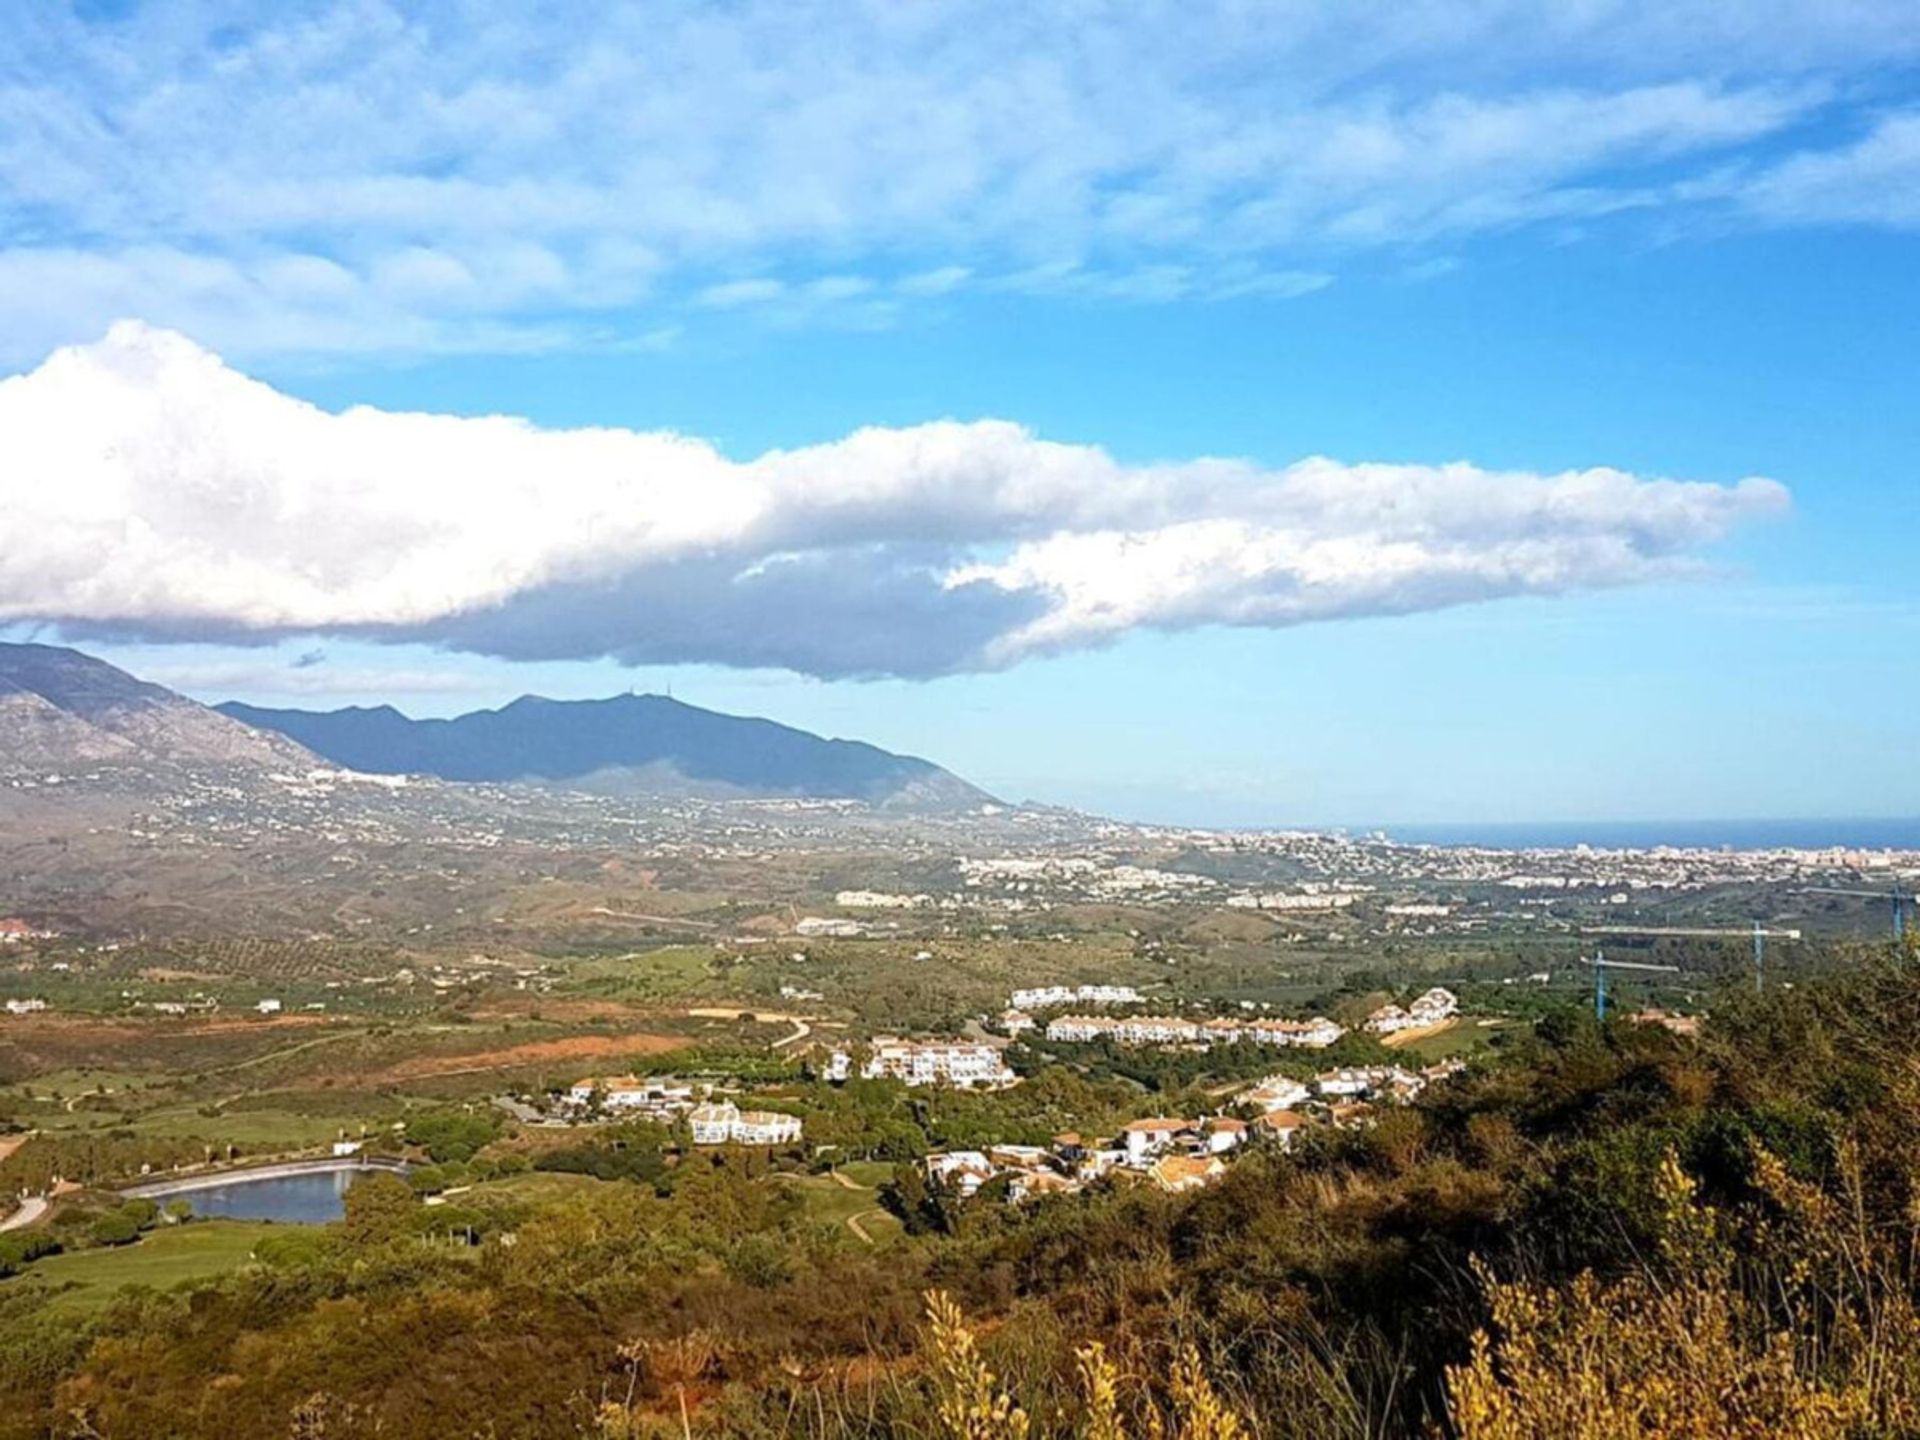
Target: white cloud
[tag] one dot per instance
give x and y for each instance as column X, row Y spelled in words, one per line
column 238, row 678
column 741, row 292
column 1872, row 180
column 468, row 176
column 151, row 491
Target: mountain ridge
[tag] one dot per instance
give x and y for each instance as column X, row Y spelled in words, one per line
column 619, row 742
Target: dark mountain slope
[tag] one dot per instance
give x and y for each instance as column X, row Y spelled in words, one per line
column 642, row 740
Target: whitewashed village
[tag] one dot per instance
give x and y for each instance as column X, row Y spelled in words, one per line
column 1176, row 1153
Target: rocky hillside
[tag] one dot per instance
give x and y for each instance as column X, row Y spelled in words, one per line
column 60, row 709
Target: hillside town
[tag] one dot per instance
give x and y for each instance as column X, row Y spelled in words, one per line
column 1178, row 1153
column 1315, row 1034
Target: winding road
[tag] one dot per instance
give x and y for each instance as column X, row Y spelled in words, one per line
column 29, row 1210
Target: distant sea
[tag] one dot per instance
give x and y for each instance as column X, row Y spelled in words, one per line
column 1879, row 834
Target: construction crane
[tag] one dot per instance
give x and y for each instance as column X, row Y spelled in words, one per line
column 1892, row 894
column 1760, row 934
column 1601, row 965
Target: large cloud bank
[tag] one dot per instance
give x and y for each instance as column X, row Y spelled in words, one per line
column 147, row 489
column 353, row 176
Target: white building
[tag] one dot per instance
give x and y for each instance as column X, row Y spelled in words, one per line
column 1343, row 1083
column 1388, row 1020
column 960, row 1063
column 25, row 1007
column 963, row 1170
column 1389, row 1082
column 820, row 925
column 1224, row 1133
column 1314, row 1034
column 1144, row 1139
column 1278, row 1092
column 1434, row 1006
column 1430, row 1009
column 1050, row 995
column 631, row 1093
column 268, row 1007
column 727, row 1124
column 879, row 900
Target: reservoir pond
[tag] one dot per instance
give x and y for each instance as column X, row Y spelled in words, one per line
column 311, row 1199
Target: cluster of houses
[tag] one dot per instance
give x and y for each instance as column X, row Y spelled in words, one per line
column 1315, row 1034
column 962, row 1064
column 633, row 1096
column 1046, row 997
column 1179, row 1154
column 1430, row 1009
column 1174, row 1154
column 667, row 1100
column 1346, row 1096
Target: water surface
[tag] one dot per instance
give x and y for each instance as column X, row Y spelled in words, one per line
column 315, row 1198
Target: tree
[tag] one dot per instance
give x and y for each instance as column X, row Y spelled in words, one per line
column 379, row 1208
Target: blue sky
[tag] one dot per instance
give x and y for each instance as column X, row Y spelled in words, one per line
column 1549, row 292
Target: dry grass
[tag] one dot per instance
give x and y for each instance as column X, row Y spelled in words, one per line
column 529, row 1055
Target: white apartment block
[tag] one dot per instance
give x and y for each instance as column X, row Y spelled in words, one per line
column 1314, row 1034
column 960, row 1063
column 879, row 900
column 727, row 1124
column 1047, row 996
column 817, row 926
column 1340, row 900
column 25, row 1007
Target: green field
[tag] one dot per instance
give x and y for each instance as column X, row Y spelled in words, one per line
column 1461, row 1039
column 162, row 1259
column 836, row 1203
